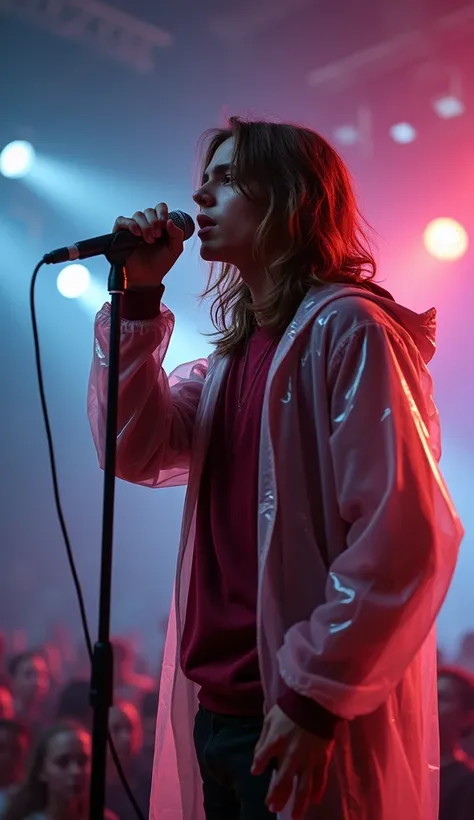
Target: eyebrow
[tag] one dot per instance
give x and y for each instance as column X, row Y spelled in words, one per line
column 217, row 170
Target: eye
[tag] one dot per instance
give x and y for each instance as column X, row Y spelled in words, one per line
column 228, row 179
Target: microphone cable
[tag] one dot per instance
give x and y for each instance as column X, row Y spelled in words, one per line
column 62, row 522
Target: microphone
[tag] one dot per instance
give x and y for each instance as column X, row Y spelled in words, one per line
column 120, row 240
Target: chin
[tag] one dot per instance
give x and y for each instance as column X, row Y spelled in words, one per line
column 211, row 254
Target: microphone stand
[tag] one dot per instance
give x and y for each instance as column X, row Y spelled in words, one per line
column 102, row 680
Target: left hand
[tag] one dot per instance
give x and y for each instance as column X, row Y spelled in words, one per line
column 298, row 754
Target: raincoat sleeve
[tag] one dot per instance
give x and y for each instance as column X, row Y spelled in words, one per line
column 386, row 588
column 156, row 414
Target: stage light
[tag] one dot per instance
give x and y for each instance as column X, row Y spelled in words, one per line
column 446, row 239
column 73, row 281
column 448, row 107
column 403, row 133
column 16, row 159
column 346, row 134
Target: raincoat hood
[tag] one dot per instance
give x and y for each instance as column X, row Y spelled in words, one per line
column 420, row 326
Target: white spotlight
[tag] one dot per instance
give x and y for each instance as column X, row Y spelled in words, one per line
column 16, row 159
column 448, row 107
column 445, row 238
column 73, row 281
column 403, row 133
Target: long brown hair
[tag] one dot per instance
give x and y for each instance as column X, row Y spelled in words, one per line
column 32, row 796
column 312, row 231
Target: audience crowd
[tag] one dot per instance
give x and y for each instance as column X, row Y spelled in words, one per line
column 46, row 725
column 46, row 722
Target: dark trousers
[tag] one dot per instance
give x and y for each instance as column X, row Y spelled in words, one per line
column 224, row 747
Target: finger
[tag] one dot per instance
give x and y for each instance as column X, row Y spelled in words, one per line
column 146, row 231
column 155, row 225
column 157, row 218
column 303, row 794
column 263, row 738
column 263, row 758
column 161, row 216
column 282, row 784
column 123, row 223
column 161, row 211
column 264, row 751
column 173, row 230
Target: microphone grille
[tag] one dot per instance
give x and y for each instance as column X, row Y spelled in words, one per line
column 184, row 221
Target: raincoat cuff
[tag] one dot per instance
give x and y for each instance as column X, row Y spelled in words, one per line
column 141, row 305
column 308, row 714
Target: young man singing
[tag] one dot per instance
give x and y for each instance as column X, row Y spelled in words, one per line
column 318, row 537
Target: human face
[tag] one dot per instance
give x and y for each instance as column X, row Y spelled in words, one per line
column 126, row 731
column 66, row 770
column 13, row 749
column 30, row 684
column 236, row 218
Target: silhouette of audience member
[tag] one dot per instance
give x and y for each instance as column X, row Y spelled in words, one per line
column 129, row 684
column 7, row 710
column 73, row 703
column 465, row 657
column 3, row 671
column 29, row 685
column 456, row 710
column 56, row 786
column 148, row 709
column 127, row 735
column 14, row 746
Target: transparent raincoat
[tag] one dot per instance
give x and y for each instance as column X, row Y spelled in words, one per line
column 358, row 537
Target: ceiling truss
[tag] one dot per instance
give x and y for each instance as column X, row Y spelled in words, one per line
column 114, row 33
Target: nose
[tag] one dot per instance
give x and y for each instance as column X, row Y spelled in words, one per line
column 76, row 771
column 203, row 197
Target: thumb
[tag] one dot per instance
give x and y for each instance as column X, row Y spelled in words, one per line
column 175, row 238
